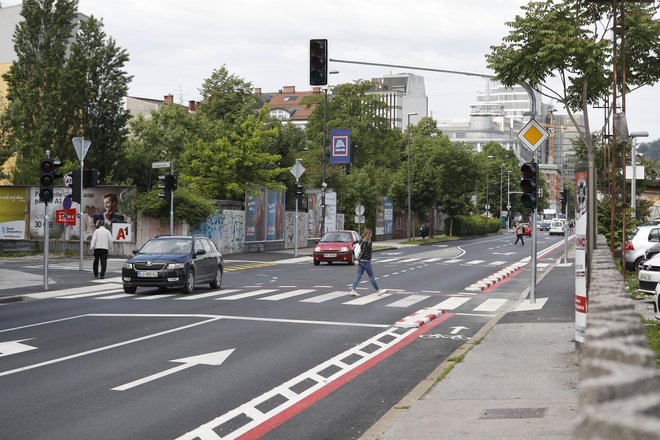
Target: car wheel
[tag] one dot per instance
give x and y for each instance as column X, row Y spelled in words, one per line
column 637, row 263
column 130, row 289
column 316, row 262
column 189, row 286
column 217, row 282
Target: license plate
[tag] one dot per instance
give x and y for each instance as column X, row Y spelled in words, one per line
column 147, row 274
column 329, row 255
column 645, row 277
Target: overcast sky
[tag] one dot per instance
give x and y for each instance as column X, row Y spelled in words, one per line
column 174, row 45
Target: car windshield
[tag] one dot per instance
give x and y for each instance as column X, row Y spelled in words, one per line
column 169, row 246
column 338, row 236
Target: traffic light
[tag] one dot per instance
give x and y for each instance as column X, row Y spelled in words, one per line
column 529, row 185
column 167, row 194
column 318, row 62
column 90, row 180
column 564, row 199
column 47, row 177
column 171, row 182
column 299, row 191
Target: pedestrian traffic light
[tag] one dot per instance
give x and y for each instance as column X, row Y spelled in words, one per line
column 47, row 177
column 299, row 191
column 318, row 62
column 564, row 199
column 529, row 184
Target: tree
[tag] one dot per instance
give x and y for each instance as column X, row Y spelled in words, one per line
column 569, row 39
column 226, row 97
column 37, row 114
column 96, row 84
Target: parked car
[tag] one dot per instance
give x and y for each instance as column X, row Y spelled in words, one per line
column 557, row 227
column 649, row 274
column 544, row 226
column 336, row 246
column 174, row 261
column 641, row 239
column 652, row 222
column 656, row 304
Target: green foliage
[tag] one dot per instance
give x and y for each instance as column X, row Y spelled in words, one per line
column 465, row 225
column 226, row 97
column 188, row 207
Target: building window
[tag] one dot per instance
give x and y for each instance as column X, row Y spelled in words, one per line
column 290, row 98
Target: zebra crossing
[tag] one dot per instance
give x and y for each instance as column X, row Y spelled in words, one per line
column 392, row 299
column 460, row 261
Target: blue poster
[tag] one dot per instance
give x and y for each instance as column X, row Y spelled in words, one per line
column 340, row 146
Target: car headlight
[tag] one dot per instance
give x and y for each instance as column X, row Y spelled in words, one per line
column 128, row 266
column 175, row 266
column 317, row 249
column 343, row 249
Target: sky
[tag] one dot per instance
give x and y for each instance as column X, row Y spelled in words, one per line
column 174, row 45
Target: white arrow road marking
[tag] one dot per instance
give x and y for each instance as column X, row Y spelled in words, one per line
column 14, row 347
column 456, row 330
column 215, row 359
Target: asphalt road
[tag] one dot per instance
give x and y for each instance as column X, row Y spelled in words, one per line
column 281, row 351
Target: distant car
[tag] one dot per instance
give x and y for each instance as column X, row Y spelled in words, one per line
column 528, row 229
column 544, row 226
column 649, row 275
column 557, row 227
column 174, row 261
column 336, row 246
column 641, row 239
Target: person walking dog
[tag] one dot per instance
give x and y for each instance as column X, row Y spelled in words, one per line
column 101, row 241
column 364, row 264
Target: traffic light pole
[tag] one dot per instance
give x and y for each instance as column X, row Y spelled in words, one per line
column 172, row 202
column 532, row 289
column 80, row 214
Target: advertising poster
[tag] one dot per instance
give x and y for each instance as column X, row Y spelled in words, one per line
column 13, row 210
column 264, row 216
column 389, row 216
column 112, row 205
column 580, row 252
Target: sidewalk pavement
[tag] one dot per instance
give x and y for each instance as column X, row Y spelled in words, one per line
column 518, row 379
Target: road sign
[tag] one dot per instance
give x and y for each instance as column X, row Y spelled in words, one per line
column 359, row 209
column 297, row 170
column 66, row 202
column 533, row 135
column 359, row 219
column 161, row 164
column 68, row 179
column 81, row 146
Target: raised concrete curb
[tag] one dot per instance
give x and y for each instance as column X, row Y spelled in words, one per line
column 619, row 394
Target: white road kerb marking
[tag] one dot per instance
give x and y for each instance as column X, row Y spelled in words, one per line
column 314, row 379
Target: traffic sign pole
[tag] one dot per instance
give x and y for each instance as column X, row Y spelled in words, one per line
column 81, row 145
column 297, row 170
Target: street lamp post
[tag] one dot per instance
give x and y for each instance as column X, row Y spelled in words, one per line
column 408, row 225
column 501, row 190
column 487, row 193
column 633, row 163
column 325, row 137
column 508, row 202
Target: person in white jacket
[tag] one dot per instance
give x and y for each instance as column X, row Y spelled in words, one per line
column 101, row 241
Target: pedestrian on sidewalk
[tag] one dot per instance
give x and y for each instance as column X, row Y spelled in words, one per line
column 520, row 231
column 101, row 241
column 364, row 263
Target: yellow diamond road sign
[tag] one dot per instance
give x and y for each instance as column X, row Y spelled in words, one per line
column 533, row 135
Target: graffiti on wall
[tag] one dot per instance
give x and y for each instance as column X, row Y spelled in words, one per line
column 226, row 230
column 290, row 227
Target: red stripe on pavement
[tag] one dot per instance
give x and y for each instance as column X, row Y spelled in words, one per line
column 308, row 401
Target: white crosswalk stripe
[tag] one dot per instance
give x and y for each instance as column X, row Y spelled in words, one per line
column 362, row 300
column 490, row 305
column 496, row 263
column 453, row 302
column 246, row 294
column 285, row 295
column 474, row 262
column 325, row 297
column 408, row 301
column 205, row 295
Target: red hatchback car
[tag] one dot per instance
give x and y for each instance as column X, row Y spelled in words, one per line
column 336, row 246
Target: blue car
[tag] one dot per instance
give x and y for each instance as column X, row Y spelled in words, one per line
column 174, row 261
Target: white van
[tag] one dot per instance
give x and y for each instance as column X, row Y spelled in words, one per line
column 557, row 227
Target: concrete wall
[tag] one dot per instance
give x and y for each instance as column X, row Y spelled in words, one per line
column 619, row 395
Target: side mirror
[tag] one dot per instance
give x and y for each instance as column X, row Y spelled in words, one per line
column 200, row 252
column 135, row 251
